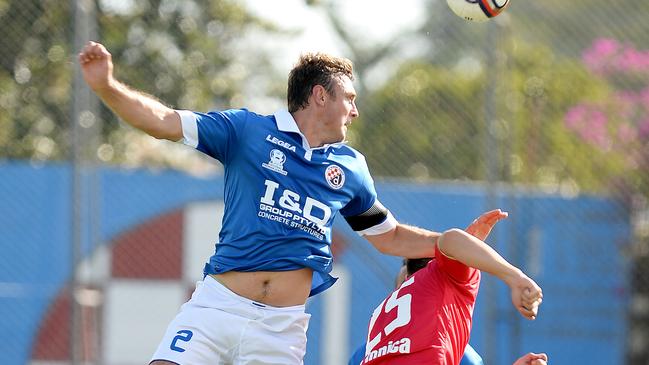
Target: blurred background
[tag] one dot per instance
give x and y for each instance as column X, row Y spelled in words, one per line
column 543, row 112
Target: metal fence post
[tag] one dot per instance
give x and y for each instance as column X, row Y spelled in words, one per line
column 84, row 134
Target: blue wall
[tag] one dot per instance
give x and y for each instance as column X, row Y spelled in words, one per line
column 571, row 247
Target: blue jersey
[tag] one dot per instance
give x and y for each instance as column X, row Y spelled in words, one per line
column 281, row 196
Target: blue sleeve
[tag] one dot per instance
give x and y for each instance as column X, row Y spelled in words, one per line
column 357, row 356
column 471, row 356
column 365, row 197
column 214, row 133
column 364, row 213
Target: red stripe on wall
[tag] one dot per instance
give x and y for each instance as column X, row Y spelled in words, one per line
column 53, row 339
column 152, row 250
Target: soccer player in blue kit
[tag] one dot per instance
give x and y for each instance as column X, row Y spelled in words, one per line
column 286, row 176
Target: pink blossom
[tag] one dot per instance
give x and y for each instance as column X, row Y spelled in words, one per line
column 575, row 115
column 622, row 121
column 595, row 131
column 590, row 124
column 598, row 119
column 630, row 60
column 599, row 55
column 643, row 128
column 608, row 55
column 643, row 99
column 626, row 133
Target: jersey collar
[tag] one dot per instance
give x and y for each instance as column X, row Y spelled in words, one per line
column 285, row 122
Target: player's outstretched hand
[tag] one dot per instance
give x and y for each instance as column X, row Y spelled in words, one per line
column 96, row 65
column 527, row 296
column 482, row 226
column 532, row 359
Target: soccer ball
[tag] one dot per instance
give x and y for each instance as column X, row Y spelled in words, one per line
column 477, row 10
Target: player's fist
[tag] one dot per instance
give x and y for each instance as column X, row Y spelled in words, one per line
column 96, row 65
column 527, row 296
column 532, row 359
column 482, row 226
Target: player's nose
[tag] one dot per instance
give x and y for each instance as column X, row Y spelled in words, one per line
column 355, row 113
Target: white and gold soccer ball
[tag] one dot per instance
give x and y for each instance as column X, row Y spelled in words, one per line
column 477, row 10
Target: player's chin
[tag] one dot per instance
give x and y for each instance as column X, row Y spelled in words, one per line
column 343, row 134
column 337, row 139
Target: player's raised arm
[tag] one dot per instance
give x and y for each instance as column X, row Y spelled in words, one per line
column 142, row 111
column 414, row 242
column 471, row 251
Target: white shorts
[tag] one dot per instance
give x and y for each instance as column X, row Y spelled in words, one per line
column 219, row 327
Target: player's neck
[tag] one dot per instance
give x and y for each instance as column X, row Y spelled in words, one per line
column 309, row 125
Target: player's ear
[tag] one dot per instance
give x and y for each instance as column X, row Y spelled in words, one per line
column 319, row 94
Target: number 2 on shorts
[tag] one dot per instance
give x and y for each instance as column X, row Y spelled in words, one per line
column 182, row 335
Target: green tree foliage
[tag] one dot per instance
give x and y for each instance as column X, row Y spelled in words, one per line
column 419, row 120
column 566, row 27
column 617, row 122
column 429, row 120
column 34, row 78
column 185, row 53
column 569, row 27
column 544, row 87
column 180, row 51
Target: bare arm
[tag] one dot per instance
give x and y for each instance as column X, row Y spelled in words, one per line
column 406, row 241
column 413, row 242
column 473, row 252
column 142, row 111
column 459, row 245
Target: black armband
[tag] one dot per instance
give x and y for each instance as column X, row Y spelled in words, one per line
column 374, row 216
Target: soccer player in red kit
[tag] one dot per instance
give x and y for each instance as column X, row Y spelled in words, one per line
column 427, row 320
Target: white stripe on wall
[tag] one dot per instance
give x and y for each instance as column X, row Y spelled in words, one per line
column 335, row 324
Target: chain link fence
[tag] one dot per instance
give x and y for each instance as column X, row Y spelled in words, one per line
column 543, row 112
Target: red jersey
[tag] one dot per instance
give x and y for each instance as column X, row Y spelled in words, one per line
column 427, row 320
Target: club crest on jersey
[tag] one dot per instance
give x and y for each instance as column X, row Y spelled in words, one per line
column 335, row 176
column 276, row 162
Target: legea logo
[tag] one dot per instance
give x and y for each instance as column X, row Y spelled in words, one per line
column 279, row 142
